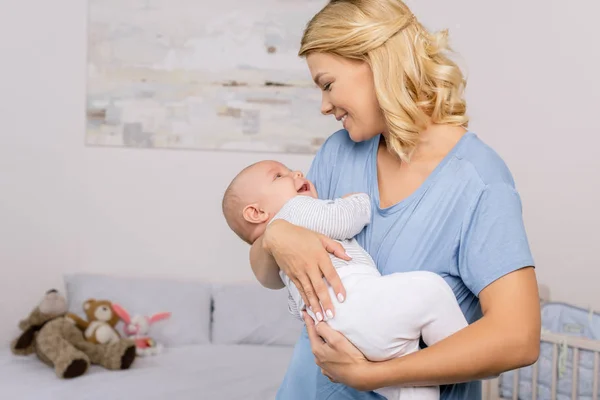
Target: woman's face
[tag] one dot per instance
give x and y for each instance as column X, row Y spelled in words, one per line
column 348, row 94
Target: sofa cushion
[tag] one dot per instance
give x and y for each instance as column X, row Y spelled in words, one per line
column 251, row 314
column 188, row 302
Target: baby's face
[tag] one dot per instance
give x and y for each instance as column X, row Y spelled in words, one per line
column 271, row 184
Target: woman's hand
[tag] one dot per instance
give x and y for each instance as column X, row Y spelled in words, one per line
column 303, row 256
column 338, row 359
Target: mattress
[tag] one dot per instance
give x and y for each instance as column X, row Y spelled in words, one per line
column 220, row 372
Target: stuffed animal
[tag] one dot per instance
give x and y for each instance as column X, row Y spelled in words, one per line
column 138, row 327
column 101, row 322
column 59, row 343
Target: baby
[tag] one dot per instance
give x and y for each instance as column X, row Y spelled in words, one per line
column 383, row 316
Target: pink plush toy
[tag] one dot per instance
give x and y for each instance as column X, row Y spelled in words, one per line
column 137, row 328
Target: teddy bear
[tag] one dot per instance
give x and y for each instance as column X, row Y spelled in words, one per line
column 60, row 344
column 101, row 322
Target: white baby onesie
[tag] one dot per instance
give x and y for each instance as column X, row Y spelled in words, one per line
column 383, row 316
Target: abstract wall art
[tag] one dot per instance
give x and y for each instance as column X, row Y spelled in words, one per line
column 198, row 74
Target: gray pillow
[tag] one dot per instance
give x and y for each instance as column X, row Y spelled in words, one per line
column 188, row 302
column 251, row 314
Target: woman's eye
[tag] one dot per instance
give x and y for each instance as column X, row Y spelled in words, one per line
column 327, row 86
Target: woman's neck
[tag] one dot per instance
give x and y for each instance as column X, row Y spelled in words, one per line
column 435, row 142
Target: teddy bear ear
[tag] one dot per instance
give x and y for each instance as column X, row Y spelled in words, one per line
column 26, row 339
column 88, row 304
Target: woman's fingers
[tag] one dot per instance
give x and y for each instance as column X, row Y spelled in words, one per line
column 334, row 247
column 315, row 339
column 299, row 286
column 314, row 290
column 316, row 342
column 328, row 334
column 332, row 277
column 310, row 295
column 307, row 264
column 322, row 293
column 328, row 376
column 329, row 271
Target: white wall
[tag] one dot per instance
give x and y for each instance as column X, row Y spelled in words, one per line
column 65, row 207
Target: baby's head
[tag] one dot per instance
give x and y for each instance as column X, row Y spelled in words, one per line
column 257, row 193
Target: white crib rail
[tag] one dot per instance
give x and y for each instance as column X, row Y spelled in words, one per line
column 491, row 389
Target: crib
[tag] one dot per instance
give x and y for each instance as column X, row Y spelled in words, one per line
column 553, row 376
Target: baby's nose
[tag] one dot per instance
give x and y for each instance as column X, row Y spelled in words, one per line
column 298, row 174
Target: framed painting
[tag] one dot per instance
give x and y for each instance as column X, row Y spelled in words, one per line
column 194, row 74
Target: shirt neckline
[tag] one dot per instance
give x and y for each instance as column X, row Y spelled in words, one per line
column 421, row 189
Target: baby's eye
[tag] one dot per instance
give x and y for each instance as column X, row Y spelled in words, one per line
column 277, row 176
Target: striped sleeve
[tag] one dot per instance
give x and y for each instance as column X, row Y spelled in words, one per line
column 293, row 307
column 339, row 219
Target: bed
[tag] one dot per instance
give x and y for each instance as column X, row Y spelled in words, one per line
column 191, row 372
column 223, row 341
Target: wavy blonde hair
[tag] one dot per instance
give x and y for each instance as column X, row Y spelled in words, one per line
column 416, row 82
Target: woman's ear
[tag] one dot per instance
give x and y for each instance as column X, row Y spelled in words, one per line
column 254, row 215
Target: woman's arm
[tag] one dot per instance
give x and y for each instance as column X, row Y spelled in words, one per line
column 505, row 338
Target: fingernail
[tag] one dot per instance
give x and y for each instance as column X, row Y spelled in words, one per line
column 340, row 297
column 329, row 314
column 310, row 308
column 348, row 255
column 319, row 316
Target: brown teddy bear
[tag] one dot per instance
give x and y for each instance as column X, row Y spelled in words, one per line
column 59, row 343
column 101, row 321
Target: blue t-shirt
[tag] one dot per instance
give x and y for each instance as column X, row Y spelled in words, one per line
column 464, row 223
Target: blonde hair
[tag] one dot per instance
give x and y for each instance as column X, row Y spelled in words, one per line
column 416, row 83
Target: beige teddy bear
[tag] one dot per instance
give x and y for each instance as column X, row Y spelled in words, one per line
column 101, row 322
column 59, row 343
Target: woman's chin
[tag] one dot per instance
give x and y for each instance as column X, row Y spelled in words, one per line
column 354, row 136
column 359, row 136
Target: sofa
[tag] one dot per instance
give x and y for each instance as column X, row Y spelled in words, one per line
column 222, row 341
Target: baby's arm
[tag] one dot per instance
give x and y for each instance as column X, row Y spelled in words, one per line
column 339, row 219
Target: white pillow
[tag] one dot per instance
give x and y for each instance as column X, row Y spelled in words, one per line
column 188, row 302
column 251, row 314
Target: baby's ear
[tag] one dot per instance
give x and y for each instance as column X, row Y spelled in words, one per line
column 253, row 214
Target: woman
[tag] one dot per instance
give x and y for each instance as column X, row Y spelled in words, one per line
column 443, row 201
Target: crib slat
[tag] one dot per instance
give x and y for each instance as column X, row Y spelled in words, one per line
column 554, row 370
column 575, row 373
column 515, row 384
column 595, row 377
column 534, row 383
column 571, row 341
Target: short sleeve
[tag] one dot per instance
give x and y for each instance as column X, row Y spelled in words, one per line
column 323, row 165
column 493, row 239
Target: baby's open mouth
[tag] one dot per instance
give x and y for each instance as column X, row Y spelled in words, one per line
column 304, row 188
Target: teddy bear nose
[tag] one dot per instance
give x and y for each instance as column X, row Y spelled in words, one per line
column 52, row 291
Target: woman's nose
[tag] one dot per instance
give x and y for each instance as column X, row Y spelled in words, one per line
column 326, row 106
